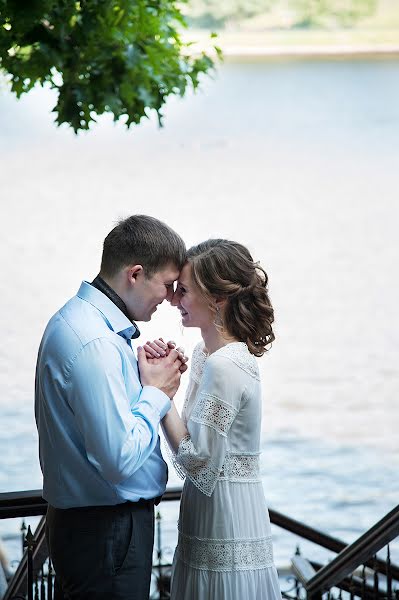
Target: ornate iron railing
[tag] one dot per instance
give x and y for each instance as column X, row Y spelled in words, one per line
column 34, row 577
column 376, row 579
column 356, row 569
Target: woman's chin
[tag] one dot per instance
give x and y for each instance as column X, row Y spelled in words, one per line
column 185, row 321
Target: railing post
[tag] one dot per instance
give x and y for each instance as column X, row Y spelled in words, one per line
column 50, row 580
column 297, row 586
column 42, row 586
column 364, row 582
column 162, row 581
column 376, row 590
column 30, row 545
column 388, row 574
column 351, row 588
column 23, row 529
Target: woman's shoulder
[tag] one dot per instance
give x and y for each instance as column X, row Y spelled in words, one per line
column 231, row 356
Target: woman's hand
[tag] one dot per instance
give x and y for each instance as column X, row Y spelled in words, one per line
column 159, row 349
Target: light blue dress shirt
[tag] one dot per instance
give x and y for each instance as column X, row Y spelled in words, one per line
column 98, row 427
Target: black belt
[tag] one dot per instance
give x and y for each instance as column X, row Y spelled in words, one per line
column 142, row 503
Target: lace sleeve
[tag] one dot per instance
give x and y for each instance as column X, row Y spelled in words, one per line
column 201, row 453
column 197, row 366
column 214, row 412
column 200, row 470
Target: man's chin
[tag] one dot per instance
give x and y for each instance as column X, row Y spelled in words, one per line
column 149, row 315
column 143, row 318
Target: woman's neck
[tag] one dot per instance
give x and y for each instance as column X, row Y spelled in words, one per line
column 214, row 339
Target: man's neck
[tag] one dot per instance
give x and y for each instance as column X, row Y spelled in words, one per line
column 101, row 284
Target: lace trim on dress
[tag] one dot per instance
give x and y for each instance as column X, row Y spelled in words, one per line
column 172, row 457
column 211, row 411
column 225, row 555
column 239, row 354
column 201, row 472
column 240, row 468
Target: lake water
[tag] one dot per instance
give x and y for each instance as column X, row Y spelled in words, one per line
column 300, row 161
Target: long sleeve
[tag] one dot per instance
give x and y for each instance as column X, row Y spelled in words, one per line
column 117, row 438
column 202, row 452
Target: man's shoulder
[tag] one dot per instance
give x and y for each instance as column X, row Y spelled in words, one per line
column 77, row 324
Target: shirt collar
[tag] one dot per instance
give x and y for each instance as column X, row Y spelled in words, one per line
column 114, row 316
column 99, row 283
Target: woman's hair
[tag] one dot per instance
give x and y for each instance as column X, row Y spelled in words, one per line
column 225, row 269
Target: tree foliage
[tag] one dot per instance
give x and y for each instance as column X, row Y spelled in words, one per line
column 119, row 56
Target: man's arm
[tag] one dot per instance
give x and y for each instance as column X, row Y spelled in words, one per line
column 117, row 439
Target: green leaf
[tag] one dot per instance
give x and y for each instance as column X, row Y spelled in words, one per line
column 117, row 56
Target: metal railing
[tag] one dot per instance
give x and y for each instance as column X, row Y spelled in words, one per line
column 375, row 578
column 34, row 576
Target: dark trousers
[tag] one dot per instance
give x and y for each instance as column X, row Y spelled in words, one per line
column 102, row 552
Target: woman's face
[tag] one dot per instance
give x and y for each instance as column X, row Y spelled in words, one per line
column 194, row 308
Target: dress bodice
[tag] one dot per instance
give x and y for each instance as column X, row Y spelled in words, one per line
column 222, row 413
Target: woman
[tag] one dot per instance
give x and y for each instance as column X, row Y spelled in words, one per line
column 224, row 548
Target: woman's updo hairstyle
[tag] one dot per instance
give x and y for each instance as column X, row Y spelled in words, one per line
column 225, row 269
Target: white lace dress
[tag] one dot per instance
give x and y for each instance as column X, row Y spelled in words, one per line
column 224, row 549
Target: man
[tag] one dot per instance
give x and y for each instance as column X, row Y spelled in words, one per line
column 98, row 413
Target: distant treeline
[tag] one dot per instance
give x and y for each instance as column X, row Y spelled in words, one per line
column 302, row 13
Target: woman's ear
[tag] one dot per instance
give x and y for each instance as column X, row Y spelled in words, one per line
column 220, row 303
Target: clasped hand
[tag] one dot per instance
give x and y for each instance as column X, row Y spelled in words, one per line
column 161, row 365
column 159, row 349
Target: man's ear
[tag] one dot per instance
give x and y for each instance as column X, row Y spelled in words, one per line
column 134, row 272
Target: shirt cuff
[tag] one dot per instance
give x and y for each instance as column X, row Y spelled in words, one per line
column 156, row 398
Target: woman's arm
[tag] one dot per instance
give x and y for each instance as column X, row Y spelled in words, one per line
column 200, row 447
column 173, row 428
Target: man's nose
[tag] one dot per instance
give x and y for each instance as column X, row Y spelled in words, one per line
column 169, row 295
column 175, row 298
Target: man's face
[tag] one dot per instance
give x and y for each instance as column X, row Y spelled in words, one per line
column 147, row 293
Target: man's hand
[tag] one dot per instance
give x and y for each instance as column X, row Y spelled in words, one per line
column 162, row 374
column 159, row 349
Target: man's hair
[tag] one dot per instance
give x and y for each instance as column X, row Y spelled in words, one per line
column 142, row 240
